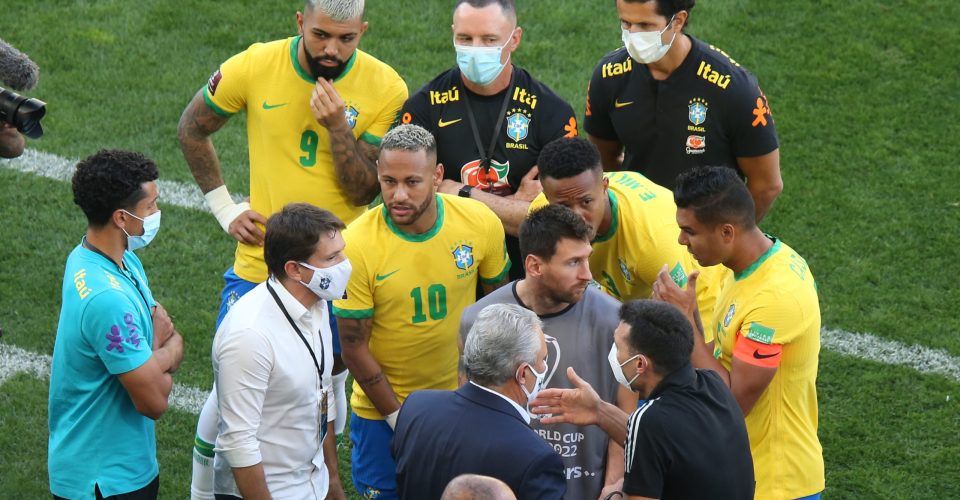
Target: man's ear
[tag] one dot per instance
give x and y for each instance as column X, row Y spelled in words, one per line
column 533, row 265
column 728, row 232
column 293, row 271
column 438, row 175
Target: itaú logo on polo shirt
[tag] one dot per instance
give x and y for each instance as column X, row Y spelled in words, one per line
column 696, row 144
column 706, row 72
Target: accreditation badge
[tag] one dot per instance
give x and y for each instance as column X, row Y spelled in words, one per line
column 323, row 415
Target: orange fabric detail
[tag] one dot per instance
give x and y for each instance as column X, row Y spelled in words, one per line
column 760, row 113
column 757, row 353
column 570, row 128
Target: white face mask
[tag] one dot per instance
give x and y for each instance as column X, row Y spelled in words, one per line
column 329, row 283
column 537, row 386
column 646, row 47
column 617, row 368
column 151, row 226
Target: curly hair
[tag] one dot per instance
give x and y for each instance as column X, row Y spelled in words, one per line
column 568, row 157
column 109, row 180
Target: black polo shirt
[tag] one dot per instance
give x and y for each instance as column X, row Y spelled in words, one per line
column 689, row 440
column 709, row 111
column 534, row 116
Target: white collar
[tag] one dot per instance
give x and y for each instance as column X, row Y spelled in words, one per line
column 294, row 308
column 521, row 410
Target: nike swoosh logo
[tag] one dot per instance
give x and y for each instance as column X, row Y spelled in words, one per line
column 756, row 353
column 618, row 104
column 442, row 123
column 381, row 277
column 271, row 106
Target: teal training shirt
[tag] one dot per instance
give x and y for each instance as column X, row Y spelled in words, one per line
column 105, row 329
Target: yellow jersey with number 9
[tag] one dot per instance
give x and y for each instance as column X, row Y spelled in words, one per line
column 415, row 287
column 290, row 157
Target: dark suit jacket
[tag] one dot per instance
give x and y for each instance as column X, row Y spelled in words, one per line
column 442, row 434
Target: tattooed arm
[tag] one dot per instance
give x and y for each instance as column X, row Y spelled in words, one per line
column 197, row 124
column 355, row 162
column 355, row 340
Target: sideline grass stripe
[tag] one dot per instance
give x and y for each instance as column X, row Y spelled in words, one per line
column 15, row 360
column 860, row 345
column 865, row 346
column 59, row 168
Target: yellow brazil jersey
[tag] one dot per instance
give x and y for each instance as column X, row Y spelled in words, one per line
column 290, row 158
column 415, row 287
column 642, row 238
column 774, row 301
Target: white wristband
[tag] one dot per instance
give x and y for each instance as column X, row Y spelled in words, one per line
column 392, row 419
column 223, row 207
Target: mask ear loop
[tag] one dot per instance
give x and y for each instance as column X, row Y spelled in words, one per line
column 556, row 364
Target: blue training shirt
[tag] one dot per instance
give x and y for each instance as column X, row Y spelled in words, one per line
column 105, row 329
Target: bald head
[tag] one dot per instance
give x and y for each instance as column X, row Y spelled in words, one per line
column 474, row 487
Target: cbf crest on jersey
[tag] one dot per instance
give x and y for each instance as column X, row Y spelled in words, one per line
column 729, row 316
column 697, row 111
column 351, row 114
column 463, row 256
column 518, row 125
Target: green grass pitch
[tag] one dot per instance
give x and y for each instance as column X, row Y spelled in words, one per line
column 865, row 98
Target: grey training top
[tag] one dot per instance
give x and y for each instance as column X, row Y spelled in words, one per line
column 584, row 334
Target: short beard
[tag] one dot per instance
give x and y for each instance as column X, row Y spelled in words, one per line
column 417, row 212
column 319, row 71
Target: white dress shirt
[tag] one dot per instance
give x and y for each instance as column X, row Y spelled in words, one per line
column 269, row 394
column 521, row 410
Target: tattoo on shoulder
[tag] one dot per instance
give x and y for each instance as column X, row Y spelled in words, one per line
column 200, row 120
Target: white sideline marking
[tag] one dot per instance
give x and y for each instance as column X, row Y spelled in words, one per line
column 15, row 360
column 52, row 166
column 920, row 358
column 859, row 345
column 187, row 398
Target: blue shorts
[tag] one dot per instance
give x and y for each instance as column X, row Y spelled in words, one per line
column 373, row 469
column 235, row 287
column 815, row 496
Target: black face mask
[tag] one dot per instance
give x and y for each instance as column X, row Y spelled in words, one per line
column 319, row 71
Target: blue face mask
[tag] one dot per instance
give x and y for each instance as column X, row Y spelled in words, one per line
column 480, row 65
column 151, row 225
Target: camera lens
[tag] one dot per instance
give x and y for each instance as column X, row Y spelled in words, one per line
column 22, row 112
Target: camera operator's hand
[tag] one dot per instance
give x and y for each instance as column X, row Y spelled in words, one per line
column 11, row 141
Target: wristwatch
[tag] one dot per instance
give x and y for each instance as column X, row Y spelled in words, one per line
column 465, row 191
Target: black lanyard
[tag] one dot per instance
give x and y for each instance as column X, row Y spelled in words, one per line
column 126, row 273
column 485, row 159
column 300, row 334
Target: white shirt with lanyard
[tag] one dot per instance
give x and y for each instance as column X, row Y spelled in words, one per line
column 272, row 358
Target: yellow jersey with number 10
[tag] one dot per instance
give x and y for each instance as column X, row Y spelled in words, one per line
column 774, row 301
column 290, row 157
column 415, row 287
